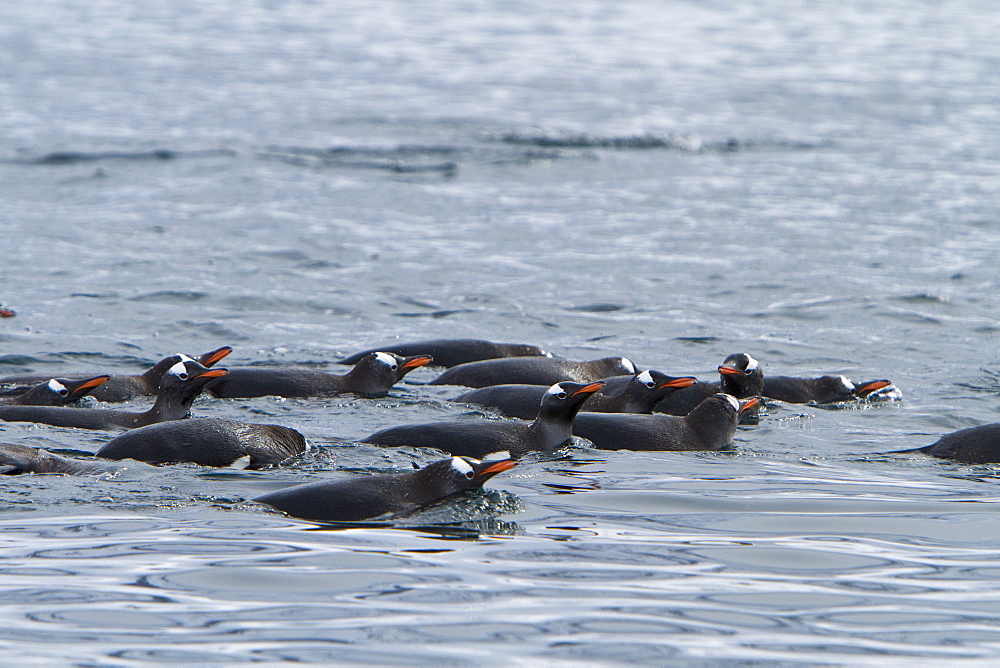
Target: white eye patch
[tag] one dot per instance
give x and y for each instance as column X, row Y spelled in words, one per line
column 847, row 383
column 461, row 465
column 751, row 363
column 496, row 456
column 627, row 365
column 184, row 358
column 645, row 378
column 178, row 370
column 386, row 359
column 732, row 401
column 56, row 386
column 554, row 390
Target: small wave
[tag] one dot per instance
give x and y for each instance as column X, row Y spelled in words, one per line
column 398, row 159
column 649, row 141
column 75, row 157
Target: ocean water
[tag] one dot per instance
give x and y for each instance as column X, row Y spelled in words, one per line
column 816, row 185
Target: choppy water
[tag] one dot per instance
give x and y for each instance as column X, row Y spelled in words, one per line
column 816, row 185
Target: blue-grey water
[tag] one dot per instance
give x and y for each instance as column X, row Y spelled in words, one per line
column 817, row 184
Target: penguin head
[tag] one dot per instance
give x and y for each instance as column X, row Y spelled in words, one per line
column 186, row 379
column 450, row 476
column 724, row 407
column 563, row 400
column 659, row 383
column 831, row 389
column 741, row 376
column 376, row 373
column 80, row 388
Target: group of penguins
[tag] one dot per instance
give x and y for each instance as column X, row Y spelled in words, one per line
column 546, row 400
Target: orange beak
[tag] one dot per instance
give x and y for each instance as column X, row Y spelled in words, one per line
column 686, row 381
column 589, row 389
column 217, row 355
column 498, row 467
column 873, row 386
column 414, row 362
column 746, row 404
column 729, row 370
column 214, row 373
column 92, row 383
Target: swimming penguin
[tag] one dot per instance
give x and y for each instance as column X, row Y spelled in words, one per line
column 372, row 376
column 825, row 389
column 452, row 352
column 740, row 376
column 123, row 387
column 208, row 442
column 55, row 392
column 551, row 429
column 710, row 426
column 364, row 497
column 533, row 371
column 974, row 445
column 620, row 394
column 16, row 459
column 178, row 389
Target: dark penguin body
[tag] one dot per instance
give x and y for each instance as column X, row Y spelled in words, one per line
column 452, row 352
column 975, row 445
column 372, row 376
column 551, row 429
column 740, row 376
column 180, row 385
column 208, row 442
column 710, row 426
column 822, row 390
column 620, row 394
column 16, row 459
column 364, row 497
column 533, row 371
column 122, row 387
column 56, row 392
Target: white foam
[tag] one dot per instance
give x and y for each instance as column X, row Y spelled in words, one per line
column 386, row 359
column 496, row 456
column 241, row 463
column 646, row 378
column 57, row 387
column 461, row 466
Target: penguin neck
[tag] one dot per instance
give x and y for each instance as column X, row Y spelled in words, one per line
column 550, row 432
column 712, row 423
column 168, row 406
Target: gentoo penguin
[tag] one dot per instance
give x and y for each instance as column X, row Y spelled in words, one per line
column 551, row 429
column 975, row 445
column 364, row 497
column 178, row 389
column 620, row 394
column 710, row 426
column 740, row 376
column 55, row 392
column 452, row 352
column 825, row 389
column 15, row 459
column 122, row 387
column 372, row 376
column 208, row 442
column 533, row 371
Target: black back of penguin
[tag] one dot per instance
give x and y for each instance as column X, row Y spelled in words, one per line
column 974, row 445
column 452, row 352
column 534, row 371
column 551, row 429
column 208, row 442
column 710, row 426
column 373, row 375
column 364, row 497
